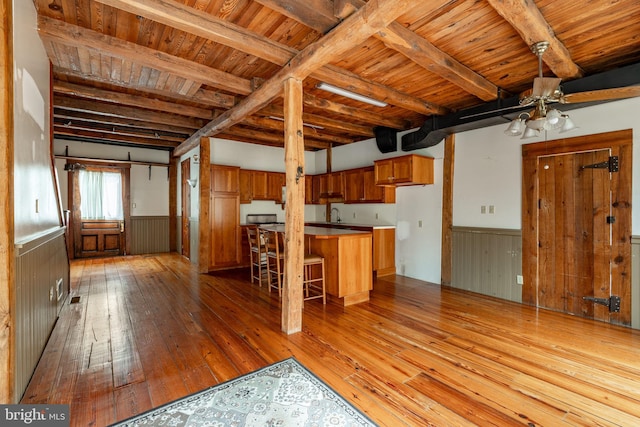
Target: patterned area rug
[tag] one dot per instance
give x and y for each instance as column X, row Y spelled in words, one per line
column 280, row 395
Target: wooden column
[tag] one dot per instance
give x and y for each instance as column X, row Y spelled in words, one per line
column 327, row 208
column 447, row 210
column 7, row 261
column 173, row 203
column 204, row 223
column 294, row 210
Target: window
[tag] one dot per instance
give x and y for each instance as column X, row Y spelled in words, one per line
column 101, row 195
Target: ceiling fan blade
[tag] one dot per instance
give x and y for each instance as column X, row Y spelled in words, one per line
column 544, row 87
column 601, row 95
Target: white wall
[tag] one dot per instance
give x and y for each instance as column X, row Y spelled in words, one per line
column 488, row 165
column 149, row 196
column 36, row 209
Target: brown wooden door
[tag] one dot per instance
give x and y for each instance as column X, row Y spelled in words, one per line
column 186, row 208
column 99, row 237
column 574, row 236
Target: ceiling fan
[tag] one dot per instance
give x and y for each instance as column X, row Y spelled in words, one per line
column 547, row 90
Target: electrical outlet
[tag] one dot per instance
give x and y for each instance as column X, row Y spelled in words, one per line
column 354, row 215
column 419, row 223
column 519, row 279
column 376, row 215
column 492, row 209
column 483, row 209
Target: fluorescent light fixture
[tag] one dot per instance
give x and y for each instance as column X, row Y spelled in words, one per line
column 346, row 93
column 280, row 119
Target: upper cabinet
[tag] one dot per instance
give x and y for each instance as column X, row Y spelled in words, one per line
column 360, row 187
column 225, row 179
column 411, row 169
column 246, row 186
column 275, row 182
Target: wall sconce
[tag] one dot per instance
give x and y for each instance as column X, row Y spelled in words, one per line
column 192, row 182
column 196, row 159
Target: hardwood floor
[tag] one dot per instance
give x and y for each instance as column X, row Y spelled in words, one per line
column 150, row 329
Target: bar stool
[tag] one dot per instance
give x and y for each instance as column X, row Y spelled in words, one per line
column 275, row 259
column 257, row 255
column 311, row 288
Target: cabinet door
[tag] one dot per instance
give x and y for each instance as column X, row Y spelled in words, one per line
column 354, row 186
column 260, row 187
column 246, row 186
column 308, row 189
column 275, row 182
column 316, row 189
column 384, row 172
column 225, row 179
column 336, row 183
column 225, row 230
column 402, row 169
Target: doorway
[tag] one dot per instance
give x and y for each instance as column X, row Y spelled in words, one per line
column 99, row 203
column 577, row 226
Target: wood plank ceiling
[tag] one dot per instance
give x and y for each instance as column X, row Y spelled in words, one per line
column 162, row 73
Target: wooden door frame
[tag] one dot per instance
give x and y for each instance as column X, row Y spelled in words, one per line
column 620, row 144
column 185, row 166
column 74, row 198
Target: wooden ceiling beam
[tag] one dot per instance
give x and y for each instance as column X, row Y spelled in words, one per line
column 401, row 39
column 206, row 97
column 83, row 38
column 123, row 129
column 61, row 132
column 65, row 116
column 369, row 19
column 76, row 126
column 251, row 135
column 277, row 125
column 200, row 23
column 111, row 97
column 82, row 105
column 525, row 17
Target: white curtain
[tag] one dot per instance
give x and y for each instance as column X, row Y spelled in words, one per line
column 101, row 195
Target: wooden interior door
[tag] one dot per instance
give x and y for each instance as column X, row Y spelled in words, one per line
column 574, row 236
column 186, row 208
column 100, row 238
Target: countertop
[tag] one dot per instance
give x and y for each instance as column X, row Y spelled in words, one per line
column 343, row 224
column 320, row 232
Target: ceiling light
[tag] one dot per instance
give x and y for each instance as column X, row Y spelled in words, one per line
column 352, row 95
column 539, row 119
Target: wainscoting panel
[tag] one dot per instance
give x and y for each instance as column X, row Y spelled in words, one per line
column 42, row 287
column 149, row 234
column 487, row 261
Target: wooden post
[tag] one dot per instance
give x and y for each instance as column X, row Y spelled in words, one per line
column 173, row 203
column 204, row 223
column 327, row 208
column 294, row 210
column 447, row 210
column 7, row 261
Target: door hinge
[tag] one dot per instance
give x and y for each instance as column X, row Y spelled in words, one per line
column 612, row 302
column 611, row 164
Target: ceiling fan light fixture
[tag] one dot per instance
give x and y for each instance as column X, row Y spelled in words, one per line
column 517, row 125
column 351, row 95
column 530, row 133
column 567, row 125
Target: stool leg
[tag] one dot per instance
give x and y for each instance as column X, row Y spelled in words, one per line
column 324, row 292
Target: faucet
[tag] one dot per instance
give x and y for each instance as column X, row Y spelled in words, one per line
column 338, row 214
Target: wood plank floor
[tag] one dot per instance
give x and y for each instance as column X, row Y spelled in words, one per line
column 149, row 329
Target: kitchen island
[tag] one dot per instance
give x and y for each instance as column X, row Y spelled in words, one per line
column 348, row 261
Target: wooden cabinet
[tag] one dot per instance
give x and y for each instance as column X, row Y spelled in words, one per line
column 275, row 182
column 246, row 186
column 331, row 187
column 405, row 170
column 225, row 179
column 224, row 217
column 360, row 187
column 315, row 189
column 308, row 189
column 259, row 181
